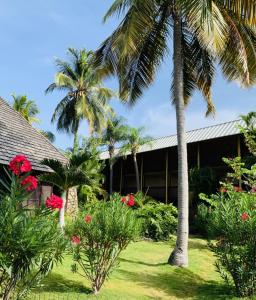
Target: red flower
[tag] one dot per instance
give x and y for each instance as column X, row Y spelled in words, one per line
column 253, row 190
column 131, row 200
column 88, row 219
column 244, row 216
column 237, row 189
column 124, row 200
column 19, row 164
column 75, row 240
column 223, row 190
column 30, row 183
column 54, row 202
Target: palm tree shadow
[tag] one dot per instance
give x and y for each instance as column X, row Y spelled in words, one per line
column 121, row 259
column 58, row 283
column 179, row 282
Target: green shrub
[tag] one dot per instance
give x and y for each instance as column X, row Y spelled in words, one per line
column 159, row 220
column 233, row 222
column 30, row 241
column 98, row 236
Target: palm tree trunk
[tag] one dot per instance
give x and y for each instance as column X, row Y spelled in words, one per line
column 76, row 142
column 136, row 172
column 179, row 256
column 62, row 210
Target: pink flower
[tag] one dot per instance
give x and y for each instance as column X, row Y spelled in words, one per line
column 131, row 200
column 88, row 219
column 75, row 240
column 19, row 164
column 30, row 183
column 253, row 190
column 245, row 216
column 54, row 202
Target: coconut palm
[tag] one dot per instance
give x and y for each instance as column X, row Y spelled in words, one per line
column 27, row 108
column 66, row 176
column 203, row 32
column 114, row 133
column 85, row 96
column 134, row 141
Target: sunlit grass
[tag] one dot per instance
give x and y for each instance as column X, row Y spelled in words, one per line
column 143, row 274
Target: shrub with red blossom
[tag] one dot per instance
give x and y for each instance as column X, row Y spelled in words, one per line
column 128, row 200
column 245, row 216
column 54, row 202
column 30, row 183
column 20, row 164
column 75, row 240
column 88, row 219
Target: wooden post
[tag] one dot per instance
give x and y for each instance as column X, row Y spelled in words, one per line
column 141, row 173
column 166, row 175
column 121, row 177
column 198, row 156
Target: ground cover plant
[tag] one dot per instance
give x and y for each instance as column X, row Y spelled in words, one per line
column 30, row 241
column 98, row 236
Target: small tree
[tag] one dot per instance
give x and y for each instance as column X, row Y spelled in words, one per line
column 66, row 176
column 98, row 236
column 249, row 131
column 134, row 140
column 114, row 133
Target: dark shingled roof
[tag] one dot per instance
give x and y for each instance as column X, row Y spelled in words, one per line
column 17, row 136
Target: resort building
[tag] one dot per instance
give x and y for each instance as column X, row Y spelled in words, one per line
column 158, row 163
column 17, row 136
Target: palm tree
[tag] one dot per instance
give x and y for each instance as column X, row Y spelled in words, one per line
column 48, row 134
column 85, row 96
column 114, row 133
column 204, row 32
column 27, row 108
column 66, row 176
column 134, row 140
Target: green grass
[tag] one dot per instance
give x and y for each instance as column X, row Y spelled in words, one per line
column 143, row 274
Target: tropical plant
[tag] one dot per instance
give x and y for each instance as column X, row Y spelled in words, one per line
column 249, row 130
column 48, row 134
column 133, row 142
column 25, row 107
column 203, row 32
column 66, row 176
column 30, row 242
column 85, row 97
column 159, row 220
column 98, row 236
column 114, row 133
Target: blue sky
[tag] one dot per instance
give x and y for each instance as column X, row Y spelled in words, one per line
column 33, row 33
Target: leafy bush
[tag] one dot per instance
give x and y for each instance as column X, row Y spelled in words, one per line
column 159, row 220
column 233, row 222
column 30, row 240
column 98, row 236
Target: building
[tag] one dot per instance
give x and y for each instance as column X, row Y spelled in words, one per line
column 158, row 163
column 17, row 136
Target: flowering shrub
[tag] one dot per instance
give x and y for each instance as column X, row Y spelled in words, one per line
column 30, row 241
column 54, row 202
column 98, row 236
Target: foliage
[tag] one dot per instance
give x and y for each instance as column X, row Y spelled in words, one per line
column 99, row 234
column 27, row 108
column 233, row 222
column 249, row 131
column 159, row 220
column 30, row 241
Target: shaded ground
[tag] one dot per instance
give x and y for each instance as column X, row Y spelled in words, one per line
column 143, row 274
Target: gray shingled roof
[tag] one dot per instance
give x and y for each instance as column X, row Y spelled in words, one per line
column 197, row 135
column 17, row 136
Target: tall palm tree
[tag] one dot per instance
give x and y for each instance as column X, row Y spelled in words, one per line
column 85, row 96
column 27, row 108
column 66, row 176
column 114, row 133
column 134, row 141
column 203, row 32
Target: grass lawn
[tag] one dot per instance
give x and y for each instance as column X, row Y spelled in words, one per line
column 143, row 274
